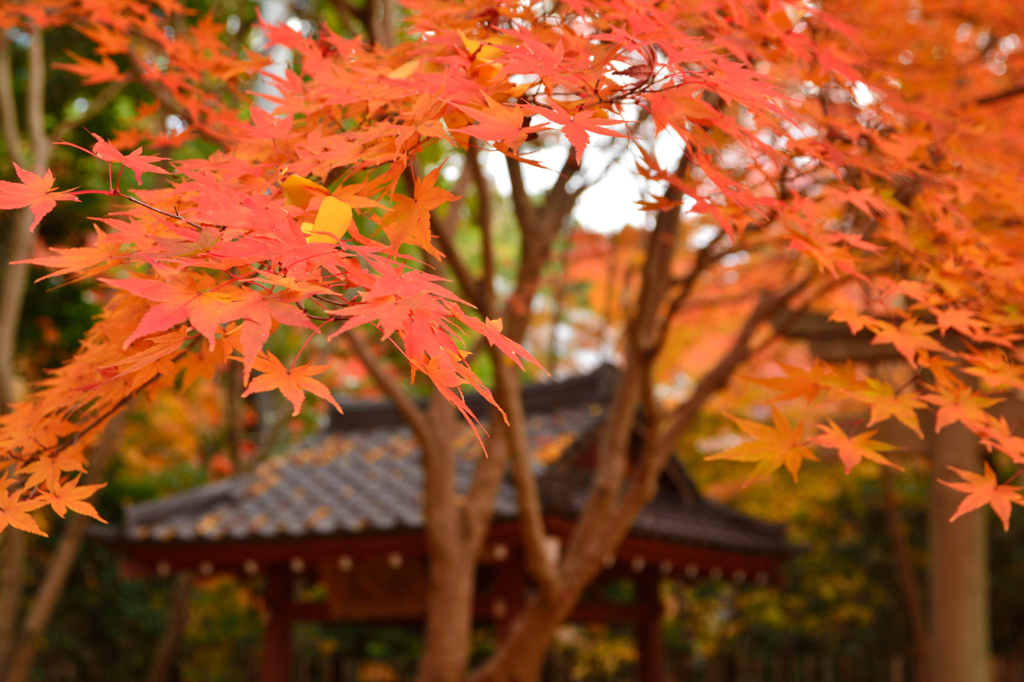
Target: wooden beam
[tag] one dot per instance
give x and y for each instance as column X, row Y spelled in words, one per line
column 277, row 645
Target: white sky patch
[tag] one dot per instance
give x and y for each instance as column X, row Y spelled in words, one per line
column 610, row 203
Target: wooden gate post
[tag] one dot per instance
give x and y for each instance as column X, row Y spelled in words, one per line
column 649, row 628
column 277, row 637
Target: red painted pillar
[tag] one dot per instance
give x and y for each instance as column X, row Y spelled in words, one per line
column 277, row 637
column 648, row 630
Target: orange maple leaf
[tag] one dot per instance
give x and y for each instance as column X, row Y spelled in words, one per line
column 885, row 403
column 854, row 449
column 34, row 192
column 797, row 383
column 14, row 512
column 291, row 382
column 771, row 447
column 409, row 221
column 985, row 489
column 48, row 469
column 498, row 123
column 70, row 495
column 910, row 337
column 960, row 404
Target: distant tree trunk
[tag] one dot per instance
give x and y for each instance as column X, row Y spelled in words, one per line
column 14, row 548
column 909, row 586
column 959, row 580
column 25, row 643
column 170, row 641
column 13, row 284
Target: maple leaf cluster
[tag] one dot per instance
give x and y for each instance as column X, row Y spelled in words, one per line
column 319, row 217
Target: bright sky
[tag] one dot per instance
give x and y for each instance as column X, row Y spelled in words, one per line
column 610, row 203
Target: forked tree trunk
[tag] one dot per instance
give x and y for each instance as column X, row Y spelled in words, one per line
column 959, row 580
column 520, row 658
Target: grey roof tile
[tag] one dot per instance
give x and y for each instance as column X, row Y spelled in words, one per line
column 365, row 474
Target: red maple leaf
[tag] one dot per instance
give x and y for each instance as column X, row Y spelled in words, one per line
column 491, row 330
column 578, row 126
column 181, row 299
column 885, row 404
column 291, row 382
column 137, row 162
column 985, row 489
column 35, row 192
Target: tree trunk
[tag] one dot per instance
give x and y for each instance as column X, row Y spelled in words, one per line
column 449, row 625
column 520, row 658
column 14, row 550
column 959, row 581
column 170, row 640
column 451, row 586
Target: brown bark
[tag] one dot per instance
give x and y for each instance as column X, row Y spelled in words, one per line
column 451, row 578
column 12, row 587
column 13, row 285
column 20, row 239
column 170, row 641
column 457, row 525
column 959, row 579
column 520, row 657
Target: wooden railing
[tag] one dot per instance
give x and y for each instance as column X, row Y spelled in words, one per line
column 788, row 667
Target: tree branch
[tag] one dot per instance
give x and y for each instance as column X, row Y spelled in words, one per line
column 413, row 415
column 531, row 514
column 443, row 229
column 160, row 669
column 538, row 233
column 9, row 105
column 12, row 589
column 586, row 548
column 483, row 218
column 1000, row 96
column 526, row 213
column 35, row 105
column 96, row 105
column 168, row 102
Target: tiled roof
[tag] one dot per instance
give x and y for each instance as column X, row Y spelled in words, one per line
column 364, row 475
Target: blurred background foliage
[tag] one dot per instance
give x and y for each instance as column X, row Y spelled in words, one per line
column 840, row 594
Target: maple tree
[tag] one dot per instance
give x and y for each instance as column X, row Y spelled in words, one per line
column 802, row 184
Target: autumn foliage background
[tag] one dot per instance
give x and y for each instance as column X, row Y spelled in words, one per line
column 849, row 176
